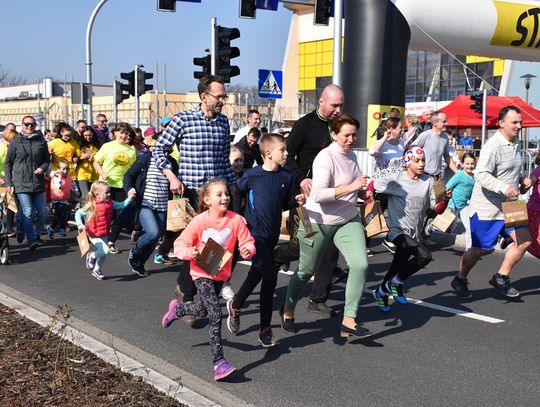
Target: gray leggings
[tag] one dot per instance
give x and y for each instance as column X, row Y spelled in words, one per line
column 208, row 304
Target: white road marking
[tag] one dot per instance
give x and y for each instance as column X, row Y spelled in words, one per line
column 421, row 303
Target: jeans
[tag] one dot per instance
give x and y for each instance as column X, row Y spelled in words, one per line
column 153, row 224
column 33, row 202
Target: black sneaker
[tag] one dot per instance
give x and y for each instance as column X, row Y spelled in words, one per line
column 502, row 283
column 136, row 266
column 339, row 274
column 233, row 320
column 320, row 308
column 287, row 324
column 460, row 287
column 265, row 337
column 391, row 247
column 507, row 241
column 19, row 236
column 34, row 246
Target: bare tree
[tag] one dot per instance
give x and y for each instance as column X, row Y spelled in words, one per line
column 7, row 79
column 252, row 92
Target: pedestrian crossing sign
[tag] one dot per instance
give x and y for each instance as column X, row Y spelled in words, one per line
column 270, row 84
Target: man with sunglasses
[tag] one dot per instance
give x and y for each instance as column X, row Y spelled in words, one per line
column 101, row 128
column 27, row 160
column 202, row 135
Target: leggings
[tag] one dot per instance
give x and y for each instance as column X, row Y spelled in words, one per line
column 208, row 304
column 60, row 215
column 262, row 268
column 349, row 238
column 102, row 249
column 403, row 265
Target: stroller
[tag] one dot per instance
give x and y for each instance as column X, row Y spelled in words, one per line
column 4, row 239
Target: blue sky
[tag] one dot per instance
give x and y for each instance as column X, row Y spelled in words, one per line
column 47, row 38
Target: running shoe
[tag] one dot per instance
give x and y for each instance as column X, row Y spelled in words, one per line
column 265, row 337
column 391, row 247
column 502, row 283
column 397, row 292
column 20, row 236
column 50, row 232
column 222, row 369
column 97, row 273
column 382, row 300
column 113, row 249
column 62, row 232
column 172, row 313
column 233, row 320
column 162, row 259
column 460, row 286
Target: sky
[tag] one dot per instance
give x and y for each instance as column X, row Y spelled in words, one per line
column 48, row 38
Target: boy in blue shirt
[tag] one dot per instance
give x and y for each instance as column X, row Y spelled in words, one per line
column 268, row 190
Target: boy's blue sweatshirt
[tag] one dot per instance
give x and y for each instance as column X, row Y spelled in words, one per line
column 267, row 194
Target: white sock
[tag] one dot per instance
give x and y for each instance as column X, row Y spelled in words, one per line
column 397, row 280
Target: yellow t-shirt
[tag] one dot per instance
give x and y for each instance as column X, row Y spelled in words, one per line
column 3, row 151
column 61, row 150
column 85, row 169
column 115, row 159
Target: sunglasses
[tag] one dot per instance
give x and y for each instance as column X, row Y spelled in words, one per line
column 29, row 124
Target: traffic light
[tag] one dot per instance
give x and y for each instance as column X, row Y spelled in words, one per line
column 248, row 8
column 130, row 86
column 203, row 62
column 166, row 5
column 119, row 96
column 224, row 53
column 321, row 16
column 477, row 105
column 142, row 77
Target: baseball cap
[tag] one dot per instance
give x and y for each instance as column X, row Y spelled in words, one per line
column 165, row 120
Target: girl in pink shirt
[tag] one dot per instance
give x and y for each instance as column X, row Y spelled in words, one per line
column 225, row 227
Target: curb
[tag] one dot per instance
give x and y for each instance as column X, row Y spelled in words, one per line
column 175, row 382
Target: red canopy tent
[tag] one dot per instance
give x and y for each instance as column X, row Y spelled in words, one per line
column 461, row 115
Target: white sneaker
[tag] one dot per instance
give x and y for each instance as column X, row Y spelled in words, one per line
column 227, row 292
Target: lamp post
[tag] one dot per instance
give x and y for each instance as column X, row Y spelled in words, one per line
column 527, row 78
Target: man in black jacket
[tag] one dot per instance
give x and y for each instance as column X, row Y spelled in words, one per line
column 250, row 148
column 308, row 137
column 27, row 161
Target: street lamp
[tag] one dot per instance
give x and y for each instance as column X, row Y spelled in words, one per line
column 527, row 78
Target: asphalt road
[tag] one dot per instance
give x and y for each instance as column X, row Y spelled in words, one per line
column 481, row 351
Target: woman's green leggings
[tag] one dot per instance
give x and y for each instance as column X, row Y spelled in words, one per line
column 350, row 240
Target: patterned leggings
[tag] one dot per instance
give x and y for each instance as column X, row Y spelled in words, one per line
column 208, row 304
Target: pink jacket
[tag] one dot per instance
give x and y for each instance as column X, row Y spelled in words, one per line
column 60, row 187
column 226, row 231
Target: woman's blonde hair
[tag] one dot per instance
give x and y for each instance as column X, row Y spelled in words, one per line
column 90, row 205
column 205, row 191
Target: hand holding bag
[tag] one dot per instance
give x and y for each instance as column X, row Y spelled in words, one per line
column 373, row 219
column 179, row 213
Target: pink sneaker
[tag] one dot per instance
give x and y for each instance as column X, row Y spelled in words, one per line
column 222, row 369
column 170, row 316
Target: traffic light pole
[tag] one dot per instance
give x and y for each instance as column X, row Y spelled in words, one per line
column 484, row 115
column 213, row 45
column 115, row 106
column 137, row 118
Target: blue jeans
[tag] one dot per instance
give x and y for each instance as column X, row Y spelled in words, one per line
column 33, row 202
column 153, row 224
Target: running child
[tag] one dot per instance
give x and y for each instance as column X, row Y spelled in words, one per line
column 98, row 213
column 461, row 184
column 268, row 190
column 225, row 227
column 410, row 194
column 61, row 185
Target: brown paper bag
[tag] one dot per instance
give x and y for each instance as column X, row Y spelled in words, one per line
column 515, row 213
column 304, row 218
column 213, row 257
column 439, row 189
column 84, row 243
column 179, row 214
column 8, row 199
column 373, row 219
column 443, row 221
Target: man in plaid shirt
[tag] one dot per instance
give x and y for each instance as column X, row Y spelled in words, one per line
column 202, row 136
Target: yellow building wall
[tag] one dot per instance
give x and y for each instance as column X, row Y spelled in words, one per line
column 315, row 61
